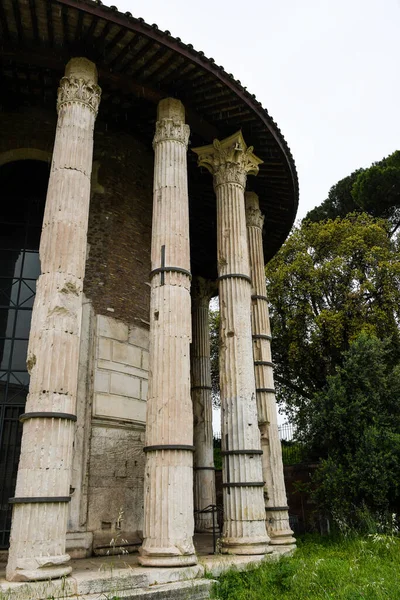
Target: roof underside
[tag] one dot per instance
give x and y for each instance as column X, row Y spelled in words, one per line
column 138, row 65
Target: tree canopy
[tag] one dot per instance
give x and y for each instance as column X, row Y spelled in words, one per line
column 330, row 281
column 375, row 190
column 339, row 202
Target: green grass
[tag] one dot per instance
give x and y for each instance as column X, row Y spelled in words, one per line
column 322, row 568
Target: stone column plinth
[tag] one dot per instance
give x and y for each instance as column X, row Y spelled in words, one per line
column 204, row 474
column 39, row 523
column 244, row 529
column 277, row 516
column 168, row 487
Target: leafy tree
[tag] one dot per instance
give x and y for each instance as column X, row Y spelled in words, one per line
column 213, row 316
column 375, row 190
column 339, row 202
column 330, row 281
column 356, row 427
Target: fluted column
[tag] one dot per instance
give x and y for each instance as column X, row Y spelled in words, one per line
column 168, row 489
column 39, row 524
column 277, row 516
column 244, row 529
column 204, row 474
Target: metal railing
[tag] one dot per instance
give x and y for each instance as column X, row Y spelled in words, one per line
column 292, row 451
column 286, row 432
column 217, row 512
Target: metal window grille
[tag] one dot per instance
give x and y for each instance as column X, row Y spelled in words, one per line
column 20, row 226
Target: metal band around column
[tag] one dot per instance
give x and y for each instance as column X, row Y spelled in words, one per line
column 267, row 390
column 261, row 336
column 276, row 508
column 168, row 447
column 244, row 484
column 235, row 276
column 170, row 269
column 263, row 363
column 203, row 468
column 39, row 500
column 259, row 297
column 229, row 452
column 47, row 415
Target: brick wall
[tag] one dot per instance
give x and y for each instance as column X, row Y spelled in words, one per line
column 119, row 236
column 28, row 128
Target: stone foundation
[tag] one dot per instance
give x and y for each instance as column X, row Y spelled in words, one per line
column 104, row 577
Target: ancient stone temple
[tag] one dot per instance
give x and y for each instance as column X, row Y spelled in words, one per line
column 138, row 179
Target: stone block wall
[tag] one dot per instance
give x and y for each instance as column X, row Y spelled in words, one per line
column 121, row 371
column 116, row 463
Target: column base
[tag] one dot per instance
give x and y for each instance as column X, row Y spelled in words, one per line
column 282, row 540
column 278, row 528
column 246, row 546
column 179, row 555
column 39, row 569
column 157, row 560
column 284, row 549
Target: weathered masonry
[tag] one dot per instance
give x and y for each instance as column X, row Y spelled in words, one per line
column 138, row 180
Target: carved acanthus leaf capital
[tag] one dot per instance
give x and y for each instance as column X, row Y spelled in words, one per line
column 229, row 160
column 254, row 217
column 203, row 290
column 170, row 129
column 73, row 89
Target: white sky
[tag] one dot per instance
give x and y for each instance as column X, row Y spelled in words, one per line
column 326, row 70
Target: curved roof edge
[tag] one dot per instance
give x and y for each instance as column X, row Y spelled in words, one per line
column 165, row 38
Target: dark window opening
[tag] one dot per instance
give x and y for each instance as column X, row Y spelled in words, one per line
column 23, row 186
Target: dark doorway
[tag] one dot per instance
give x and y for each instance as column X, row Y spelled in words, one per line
column 23, row 186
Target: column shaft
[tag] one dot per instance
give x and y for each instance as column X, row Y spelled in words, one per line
column 204, row 474
column 277, row 516
column 37, row 544
column 244, row 529
column 168, row 489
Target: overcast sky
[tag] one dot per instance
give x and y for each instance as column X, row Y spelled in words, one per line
column 326, row 70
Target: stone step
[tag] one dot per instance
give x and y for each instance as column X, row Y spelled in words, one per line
column 96, row 579
column 198, row 589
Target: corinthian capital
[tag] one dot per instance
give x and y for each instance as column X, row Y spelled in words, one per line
column 171, row 122
column 78, row 90
column 230, row 161
column 79, row 85
column 203, row 290
column 254, row 216
column 168, row 129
